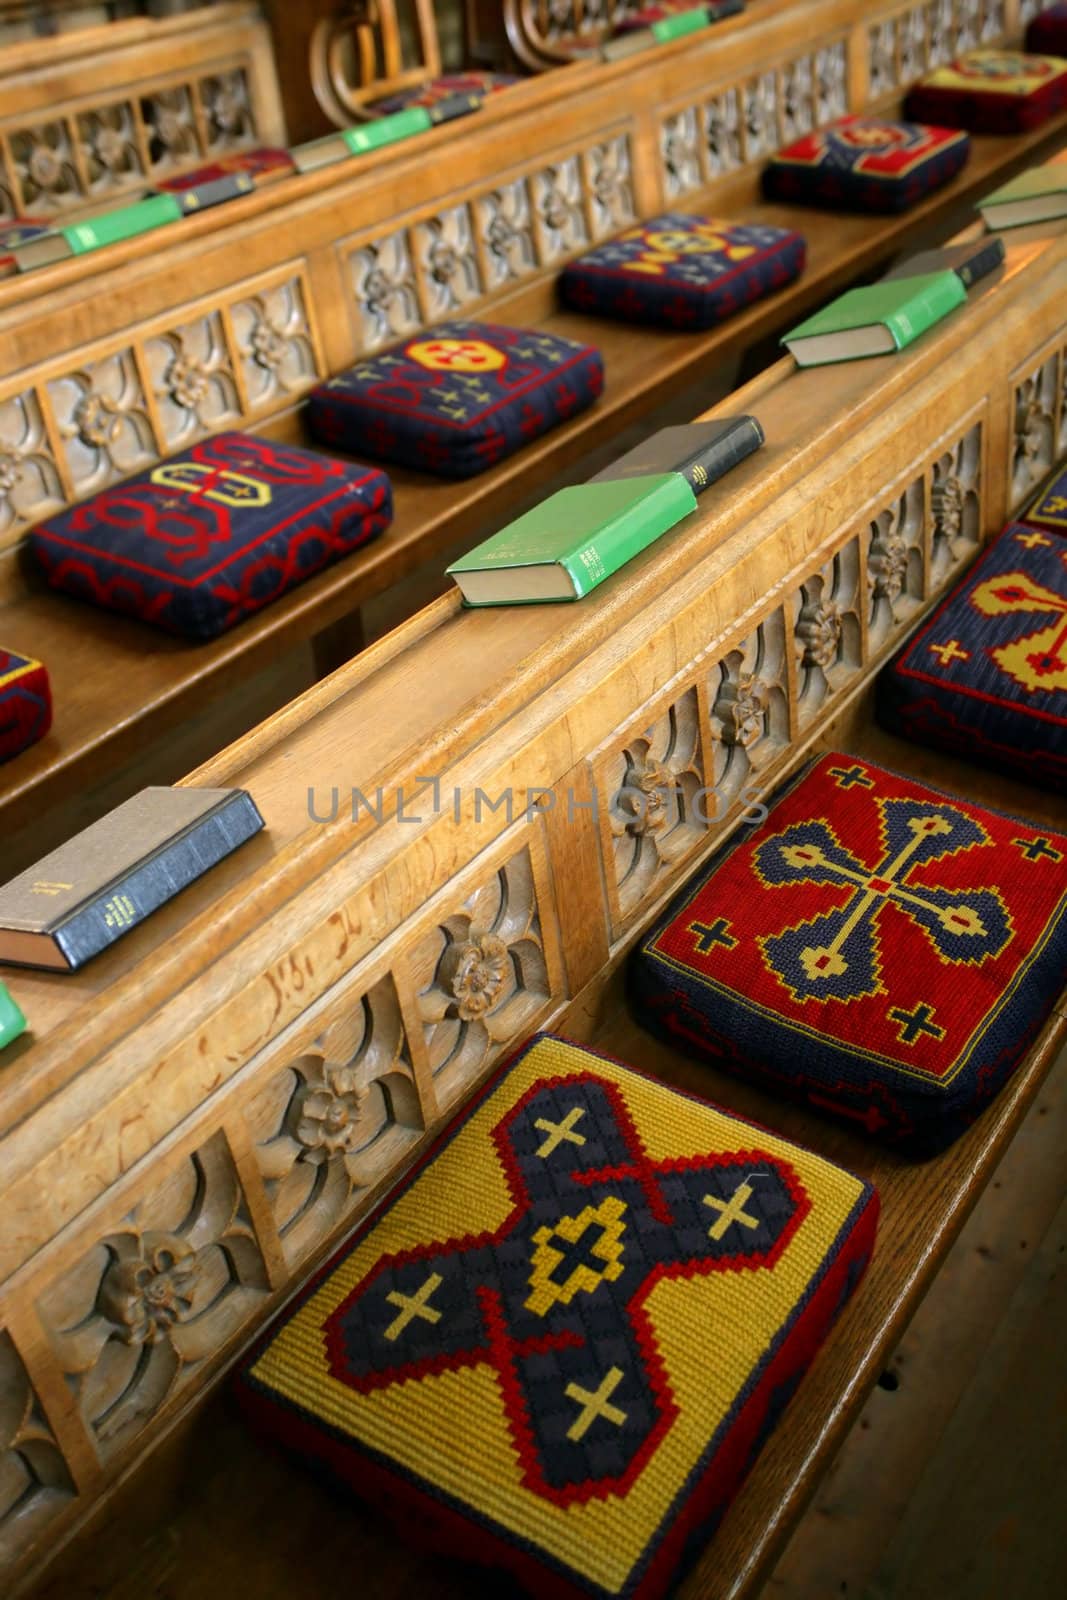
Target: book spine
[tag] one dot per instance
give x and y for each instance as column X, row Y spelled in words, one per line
column 126, row 223
column 926, row 308
column 982, row 263
column 126, row 903
column 721, row 457
column 651, row 514
column 387, row 130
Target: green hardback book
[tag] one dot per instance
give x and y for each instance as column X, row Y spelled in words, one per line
column 573, row 540
column 875, row 320
column 124, row 223
column 1039, row 195
column 358, row 141
column 12, row 1022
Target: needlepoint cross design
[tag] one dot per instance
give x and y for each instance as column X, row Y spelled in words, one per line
column 837, row 955
column 554, row 1302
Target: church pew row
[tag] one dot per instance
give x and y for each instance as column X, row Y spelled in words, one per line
column 109, row 110
column 119, row 684
column 155, row 1089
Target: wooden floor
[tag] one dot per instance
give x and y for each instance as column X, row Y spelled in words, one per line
column 953, row 1483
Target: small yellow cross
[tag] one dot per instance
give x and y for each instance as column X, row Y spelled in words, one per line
column 414, row 1305
column 559, row 1131
column 731, row 1211
column 947, row 653
column 1032, row 540
column 594, row 1404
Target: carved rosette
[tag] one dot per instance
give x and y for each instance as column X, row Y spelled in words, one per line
column 384, row 286
column 274, row 343
column 1034, row 432
column 652, row 786
column 30, row 485
column 722, row 132
column 680, row 147
column 819, row 634
column 481, row 976
column 103, row 420
column 132, row 1320
column 336, row 1119
column 34, row 1480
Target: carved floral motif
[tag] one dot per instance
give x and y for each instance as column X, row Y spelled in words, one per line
column 481, row 976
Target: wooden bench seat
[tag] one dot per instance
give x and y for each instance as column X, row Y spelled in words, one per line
column 119, row 685
column 207, row 1516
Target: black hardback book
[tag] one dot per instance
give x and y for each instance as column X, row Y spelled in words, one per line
column 455, row 105
column 969, row 262
column 115, row 873
column 700, row 451
column 215, row 192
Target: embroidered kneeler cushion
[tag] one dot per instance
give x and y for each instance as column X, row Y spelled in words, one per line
column 208, row 538
column 563, row 1342
column 264, row 165
column 1047, row 33
column 987, row 674
column 877, row 948
column 991, row 91
column 481, row 84
column 681, row 271
column 866, row 164
column 1049, row 509
column 458, row 397
column 25, row 703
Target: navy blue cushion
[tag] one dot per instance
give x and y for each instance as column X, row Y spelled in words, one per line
column 679, row 271
column 866, row 164
column 987, row 674
column 213, row 535
column 458, row 397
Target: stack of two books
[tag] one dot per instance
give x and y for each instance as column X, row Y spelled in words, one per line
column 886, row 316
column 576, row 538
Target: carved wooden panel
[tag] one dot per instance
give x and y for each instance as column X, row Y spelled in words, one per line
column 1037, row 425
column 34, row 1481
column 337, row 1117
column 903, row 45
column 483, row 973
column 748, row 121
column 447, row 261
column 72, row 431
column 54, row 164
column 157, row 1296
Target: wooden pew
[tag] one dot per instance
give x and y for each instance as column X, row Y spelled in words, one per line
column 154, row 1089
column 297, row 281
column 110, row 110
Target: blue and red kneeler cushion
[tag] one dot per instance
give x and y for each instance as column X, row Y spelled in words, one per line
column 1047, row 33
column 443, row 88
column 213, row 535
column 562, row 1343
column 866, row 164
column 684, row 272
column 991, row 91
column 458, row 397
column 986, row 676
column 874, row 947
column 25, row 703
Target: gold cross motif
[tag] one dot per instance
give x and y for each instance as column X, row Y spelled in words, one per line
column 947, row 653
column 414, row 1305
column 1032, row 540
column 594, row 1404
column 731, row 1211
column 558, row 1132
